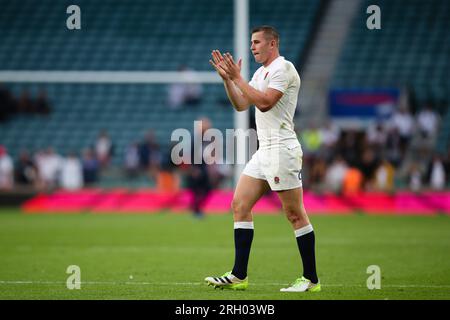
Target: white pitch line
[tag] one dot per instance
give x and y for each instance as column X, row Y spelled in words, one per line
column 201, row 283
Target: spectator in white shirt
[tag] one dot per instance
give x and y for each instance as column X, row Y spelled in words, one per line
column 188, row 92
column 403, row 121
column 6, row 170
column 132, row 160
column 49, row 166
column 428, row 121
column 71, row 173
column 335, row 174
column 436, row 173
column 103, row 149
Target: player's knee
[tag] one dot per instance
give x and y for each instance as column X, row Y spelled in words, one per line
column 240, row 208
column 293, row 214
column 237, row 205
column 294, row 219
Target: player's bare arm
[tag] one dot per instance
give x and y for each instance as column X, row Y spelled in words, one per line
column 264, row 101
column 238, row 100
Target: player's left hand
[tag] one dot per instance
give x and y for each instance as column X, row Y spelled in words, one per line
column 218, row 63
column 232, row 68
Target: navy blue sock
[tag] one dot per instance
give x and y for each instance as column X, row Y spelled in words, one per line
column 306, row 242
column 243, row 236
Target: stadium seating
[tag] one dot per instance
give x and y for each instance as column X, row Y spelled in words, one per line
column 412, row 48
column 139, row 34
column 136, row 35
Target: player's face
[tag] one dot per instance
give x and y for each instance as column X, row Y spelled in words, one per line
column 261, row 47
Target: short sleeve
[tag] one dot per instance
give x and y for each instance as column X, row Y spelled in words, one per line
column 279, row 80
column 252, row 82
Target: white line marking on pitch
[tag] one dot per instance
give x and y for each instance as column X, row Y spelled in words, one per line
column 201, row 283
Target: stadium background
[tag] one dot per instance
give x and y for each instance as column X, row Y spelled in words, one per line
column 353, row 79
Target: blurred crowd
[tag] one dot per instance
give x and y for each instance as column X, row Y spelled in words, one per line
column 398, row 153
column 46, row 169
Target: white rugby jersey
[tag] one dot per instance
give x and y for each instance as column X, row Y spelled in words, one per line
column 275, row 127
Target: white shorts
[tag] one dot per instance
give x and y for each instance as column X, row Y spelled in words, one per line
column 280, row 167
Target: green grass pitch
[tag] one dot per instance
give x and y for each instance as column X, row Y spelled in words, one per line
column 167, row 256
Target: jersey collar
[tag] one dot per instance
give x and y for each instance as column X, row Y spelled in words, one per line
column 274, row 62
